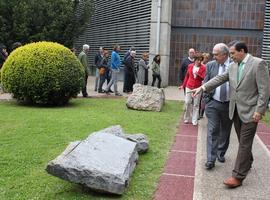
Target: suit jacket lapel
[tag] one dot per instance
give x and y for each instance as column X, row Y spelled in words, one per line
column 247, row 67
column 233, row 67
column 216, row 68
column 213, row 72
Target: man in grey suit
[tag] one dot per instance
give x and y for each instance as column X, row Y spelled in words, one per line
column 249, row 81
column 217, row 108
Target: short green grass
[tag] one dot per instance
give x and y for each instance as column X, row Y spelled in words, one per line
column 266, row 118
column 32, row 136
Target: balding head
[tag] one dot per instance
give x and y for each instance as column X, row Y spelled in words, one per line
column 191, row 53
column 221, row 53
column 221, row 48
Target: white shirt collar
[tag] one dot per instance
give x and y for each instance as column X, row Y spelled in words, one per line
column 191, row 59
column 226, row 63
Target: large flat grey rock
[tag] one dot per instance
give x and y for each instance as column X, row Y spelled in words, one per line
column 103, row 162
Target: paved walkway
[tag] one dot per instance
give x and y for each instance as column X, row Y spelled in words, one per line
column 208, row 184
column 171, row 93
column 177, row 179
column 184, row 176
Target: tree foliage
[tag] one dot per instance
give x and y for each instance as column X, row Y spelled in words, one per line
column 38, row 20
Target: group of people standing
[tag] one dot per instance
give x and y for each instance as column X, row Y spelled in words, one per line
column 109, row 69
column 235, row 90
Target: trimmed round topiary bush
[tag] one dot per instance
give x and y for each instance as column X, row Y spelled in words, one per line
column 43, row 73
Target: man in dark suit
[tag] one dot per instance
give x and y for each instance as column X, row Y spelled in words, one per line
column 217, row 108
column 249, row 81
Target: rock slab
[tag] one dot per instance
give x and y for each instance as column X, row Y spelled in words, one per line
column 103, row 162
column 140, row 138
column 146, row 98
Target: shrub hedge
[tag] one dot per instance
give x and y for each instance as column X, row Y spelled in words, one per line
column 43, row 73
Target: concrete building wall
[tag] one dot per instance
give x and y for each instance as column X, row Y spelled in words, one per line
column 164, row 37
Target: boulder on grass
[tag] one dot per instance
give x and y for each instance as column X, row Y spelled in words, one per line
column 103, row 162
column 141, row 139
column 146, row 98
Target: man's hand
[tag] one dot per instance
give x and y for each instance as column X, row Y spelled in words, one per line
column 196, row 91
column 180, row 87
column 257, row 117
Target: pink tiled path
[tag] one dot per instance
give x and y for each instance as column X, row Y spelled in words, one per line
column 177, row 180
column 263, row 131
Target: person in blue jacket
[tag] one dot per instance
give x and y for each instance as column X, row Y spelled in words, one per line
column 115, row 68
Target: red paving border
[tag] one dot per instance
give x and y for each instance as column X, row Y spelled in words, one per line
column 263, row 131
column 177, row 179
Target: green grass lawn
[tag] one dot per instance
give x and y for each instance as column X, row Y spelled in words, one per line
column 266, row 118
column 32, row 136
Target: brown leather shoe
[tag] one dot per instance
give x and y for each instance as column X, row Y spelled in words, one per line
column 233, row 182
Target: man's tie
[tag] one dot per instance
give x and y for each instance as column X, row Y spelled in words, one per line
column 240, row 71
column 223, row 89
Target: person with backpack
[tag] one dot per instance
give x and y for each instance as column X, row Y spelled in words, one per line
column 98, row 58
column 103, row 68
